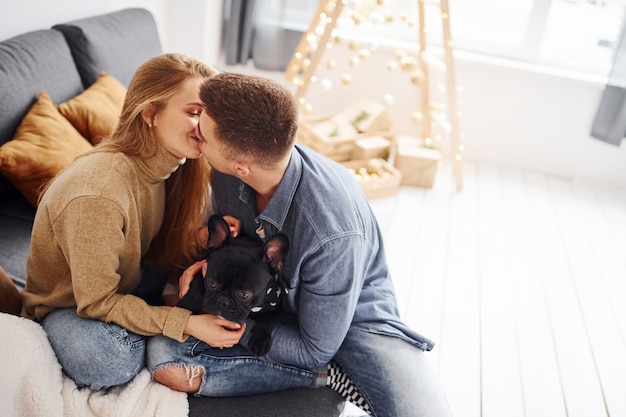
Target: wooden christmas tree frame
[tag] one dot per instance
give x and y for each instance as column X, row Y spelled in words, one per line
column 314, row 42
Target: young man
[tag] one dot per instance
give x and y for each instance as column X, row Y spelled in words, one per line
column 338, row 287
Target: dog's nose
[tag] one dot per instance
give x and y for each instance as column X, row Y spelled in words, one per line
column 224, row 301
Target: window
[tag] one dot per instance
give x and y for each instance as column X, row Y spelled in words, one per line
column 570, row 34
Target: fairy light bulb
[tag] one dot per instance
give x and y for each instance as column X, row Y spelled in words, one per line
column 327, row 85
column 389, row 99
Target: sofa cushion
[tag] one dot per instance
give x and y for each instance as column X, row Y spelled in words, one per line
column 96, row 111
column 30, row 63
column 44, row 144
column 16, row 220
column 116, row 43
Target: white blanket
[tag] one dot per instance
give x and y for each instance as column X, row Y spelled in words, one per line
column 32, row 384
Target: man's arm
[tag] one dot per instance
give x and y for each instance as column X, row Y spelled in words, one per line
column 328, row 291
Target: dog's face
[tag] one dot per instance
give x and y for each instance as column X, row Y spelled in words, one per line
column 239, row 271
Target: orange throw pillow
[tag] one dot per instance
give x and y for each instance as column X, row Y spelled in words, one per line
column 96, row 111
column 44, row 144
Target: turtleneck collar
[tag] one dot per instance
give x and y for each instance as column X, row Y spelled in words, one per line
column 161, row 166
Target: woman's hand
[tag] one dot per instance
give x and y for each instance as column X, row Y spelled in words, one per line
column 215, row 331
column 187, row 276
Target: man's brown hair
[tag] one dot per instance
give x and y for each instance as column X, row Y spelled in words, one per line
column 254, row 116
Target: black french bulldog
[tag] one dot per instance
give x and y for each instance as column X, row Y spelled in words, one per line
column 241, row 277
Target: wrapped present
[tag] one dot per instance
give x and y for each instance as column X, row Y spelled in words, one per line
column 418, row 164
column 333, row 136
column 371, row 147
column 367, row 116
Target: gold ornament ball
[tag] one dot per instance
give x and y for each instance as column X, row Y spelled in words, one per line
column 417, row 77
column 417, row 117
column 392, row 65
column 408, row 63
column 346, row 79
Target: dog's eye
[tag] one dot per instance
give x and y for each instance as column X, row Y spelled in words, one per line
column 211, row 283
column 244, row 295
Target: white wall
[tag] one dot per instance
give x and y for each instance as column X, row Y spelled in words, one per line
column 192, row 27
column 511, row 116
column 25, row 15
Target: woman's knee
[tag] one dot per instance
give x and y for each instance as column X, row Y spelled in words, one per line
column 95, row 354
column 180, row 377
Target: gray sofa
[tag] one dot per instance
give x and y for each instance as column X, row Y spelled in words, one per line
column 64, row 61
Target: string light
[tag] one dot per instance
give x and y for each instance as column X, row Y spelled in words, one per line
column 376, row 14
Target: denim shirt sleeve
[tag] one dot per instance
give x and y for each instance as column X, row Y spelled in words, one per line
column 327, row 296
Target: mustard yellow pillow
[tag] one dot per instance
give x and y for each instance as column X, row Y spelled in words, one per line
column 96, row 111
column 44, row 144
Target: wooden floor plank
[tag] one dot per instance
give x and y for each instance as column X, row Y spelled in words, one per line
column 459, row 344
column 613, row 210
column 401, row 240
column 424, row 312
column 541, row 383
column 501, row 379
column 579, row 379
column 600, row 284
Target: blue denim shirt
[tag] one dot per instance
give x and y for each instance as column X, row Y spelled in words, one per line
column 336, row 273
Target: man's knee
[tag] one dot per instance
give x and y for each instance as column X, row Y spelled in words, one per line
column 180, row 378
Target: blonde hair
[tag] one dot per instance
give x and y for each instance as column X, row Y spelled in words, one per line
column 187, row 189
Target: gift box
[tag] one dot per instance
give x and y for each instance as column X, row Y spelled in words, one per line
column 372, row 147
column 377, row 177
column 367, row 116
column 418, row 164
column 333, row 136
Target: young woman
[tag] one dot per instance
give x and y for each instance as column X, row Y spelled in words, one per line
column 106, row 218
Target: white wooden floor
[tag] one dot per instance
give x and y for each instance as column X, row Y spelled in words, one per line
column 520, row 278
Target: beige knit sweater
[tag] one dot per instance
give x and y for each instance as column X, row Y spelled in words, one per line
column 92, row 228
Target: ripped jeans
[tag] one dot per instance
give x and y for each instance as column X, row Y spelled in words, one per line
column 394, row 376
column 93, row 353
column 230, row 372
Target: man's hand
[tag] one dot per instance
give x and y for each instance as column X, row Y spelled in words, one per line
column 234, row 224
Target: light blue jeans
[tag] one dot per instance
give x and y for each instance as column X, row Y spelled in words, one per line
column 393, row 375
column 93, row 353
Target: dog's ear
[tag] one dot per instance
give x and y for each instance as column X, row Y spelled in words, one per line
column 275, row 251
column 219, row 232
